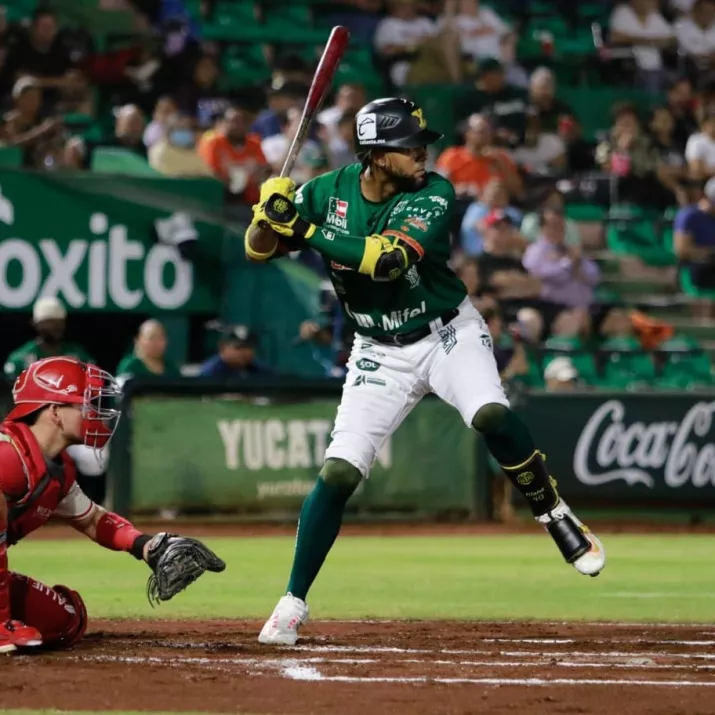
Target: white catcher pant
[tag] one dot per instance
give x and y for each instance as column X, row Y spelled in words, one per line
column 385, row 382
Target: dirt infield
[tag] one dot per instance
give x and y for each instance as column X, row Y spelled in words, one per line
column 396, row 668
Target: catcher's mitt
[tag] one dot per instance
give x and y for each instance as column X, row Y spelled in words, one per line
column 177, row 561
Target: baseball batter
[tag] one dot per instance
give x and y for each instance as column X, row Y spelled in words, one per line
column 383, row 229
column 58, row 402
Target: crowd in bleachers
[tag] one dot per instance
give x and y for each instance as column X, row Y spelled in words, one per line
column 601, row 233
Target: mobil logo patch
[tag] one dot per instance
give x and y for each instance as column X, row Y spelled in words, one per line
column 337, row 212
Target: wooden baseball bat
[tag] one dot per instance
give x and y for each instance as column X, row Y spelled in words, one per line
column 319, row 88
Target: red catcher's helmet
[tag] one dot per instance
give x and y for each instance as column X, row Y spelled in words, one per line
column 66, row 381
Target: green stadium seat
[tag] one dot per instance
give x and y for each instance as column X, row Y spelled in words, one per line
column 625, row 365
column 633, row 232
column 685, row 364
column 120, row 161
column 10, row 157
column 245, row 64
column 585, row 212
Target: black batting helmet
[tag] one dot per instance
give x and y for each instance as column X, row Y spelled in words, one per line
column 391, row 122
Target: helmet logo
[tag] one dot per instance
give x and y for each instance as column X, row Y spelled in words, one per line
column 55, row 382
column 367, row 127
column 420, row 118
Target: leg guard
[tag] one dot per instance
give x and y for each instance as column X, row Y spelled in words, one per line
column 58, row 613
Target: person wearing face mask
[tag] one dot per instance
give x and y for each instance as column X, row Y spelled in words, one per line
column 175, row 155
column 49, row 319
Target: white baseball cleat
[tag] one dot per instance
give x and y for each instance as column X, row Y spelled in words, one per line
column 282, row 627
column 577, row 543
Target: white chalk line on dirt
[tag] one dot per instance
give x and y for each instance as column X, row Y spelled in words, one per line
column 298, row 673
column 504, row 653
column 608, row 641
column 302, row 669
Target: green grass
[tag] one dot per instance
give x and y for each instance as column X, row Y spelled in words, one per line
column 647, row 578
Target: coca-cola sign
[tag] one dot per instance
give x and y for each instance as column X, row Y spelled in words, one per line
column 613, row 447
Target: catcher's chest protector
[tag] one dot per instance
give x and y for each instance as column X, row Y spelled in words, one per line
column 47, row 483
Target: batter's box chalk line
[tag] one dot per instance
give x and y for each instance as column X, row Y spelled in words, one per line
column 304, row 669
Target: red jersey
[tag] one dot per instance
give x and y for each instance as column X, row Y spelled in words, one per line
column 34, row 487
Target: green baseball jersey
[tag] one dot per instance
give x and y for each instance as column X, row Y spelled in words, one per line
column 132, row 366
column 32, row 351
column 427, row 290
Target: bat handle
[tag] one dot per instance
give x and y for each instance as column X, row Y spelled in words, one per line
column 295, row 147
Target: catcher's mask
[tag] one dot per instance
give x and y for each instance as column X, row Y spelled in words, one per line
column 67, row 381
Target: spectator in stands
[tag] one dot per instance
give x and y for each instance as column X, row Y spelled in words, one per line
column 700, row 150
column 413, row 50
column 561, row 375
column 49, row 319
column 694, row 244
column 148, row 359
column 24, row 127
column 290, row 68
column 311, row 160
column 236, row 356
column 493, row 97
column 74, row 154
column 129, row 128
column 567, row 277
column 155, row 131
column 500, row 267
column 329, row 333
column 281, row 98
column 41, row 54
column 480, row 28
column 200, row 96
column 544, row 103
column 361, row 17
column 629, row 154
column 680, row 101
column 530, row 225
column 175, row 154
column 639, row 24
column 696, row 34
column 671, row 160
column 540, row 152
column 494, row 197
column 341, row 147
column 235, row 156
column 580, row 152
column 514, row 74
column 349, row 99
column 472, row 166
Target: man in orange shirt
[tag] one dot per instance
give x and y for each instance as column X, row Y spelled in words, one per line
column 472, row 166
column 235, row 156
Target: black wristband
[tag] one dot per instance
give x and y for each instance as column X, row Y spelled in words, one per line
column 137, row 550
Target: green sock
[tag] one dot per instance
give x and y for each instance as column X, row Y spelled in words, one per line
column 511, row 443
column 506, row 436
column 318, row 527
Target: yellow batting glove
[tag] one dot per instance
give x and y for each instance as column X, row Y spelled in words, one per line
column 282, row 216
column 283, row 186
column 383, row 260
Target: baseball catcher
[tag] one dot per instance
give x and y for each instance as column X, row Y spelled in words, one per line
column 58, row 402
column 382, row 227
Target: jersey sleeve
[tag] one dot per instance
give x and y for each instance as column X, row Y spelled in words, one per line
column 306, row 201
column 425, row 220
column 75, row 504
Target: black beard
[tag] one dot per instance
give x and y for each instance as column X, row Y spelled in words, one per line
column 50, row 338
column 407, row 184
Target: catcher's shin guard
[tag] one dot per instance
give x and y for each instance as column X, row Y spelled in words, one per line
column 58, row 613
